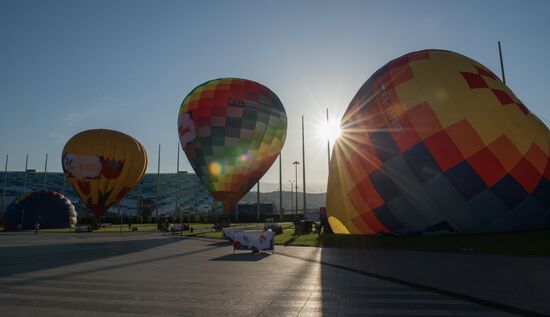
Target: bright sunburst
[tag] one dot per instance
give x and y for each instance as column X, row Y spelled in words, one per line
column 329, row 131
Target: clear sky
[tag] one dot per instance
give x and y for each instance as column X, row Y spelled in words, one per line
column 68, row 66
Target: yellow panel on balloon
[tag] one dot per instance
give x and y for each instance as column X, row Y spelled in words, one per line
column 409, row 94
column 464, row 142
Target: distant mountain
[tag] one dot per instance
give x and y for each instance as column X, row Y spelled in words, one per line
column 312, row 187
column 314, row 200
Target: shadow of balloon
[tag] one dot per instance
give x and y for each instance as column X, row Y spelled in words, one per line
column 243, row 257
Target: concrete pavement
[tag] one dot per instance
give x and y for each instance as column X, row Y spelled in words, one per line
column 517, row 284
column 150, row 274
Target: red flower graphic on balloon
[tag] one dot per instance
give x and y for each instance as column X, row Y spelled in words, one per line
column 84, row 187
column 111, row 168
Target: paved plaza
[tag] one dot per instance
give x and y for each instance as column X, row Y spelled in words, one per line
column 154, row 275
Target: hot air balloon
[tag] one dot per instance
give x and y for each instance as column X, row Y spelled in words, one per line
column 51, row 209
column 231, row 130
column 435, row 142
column 103, row 166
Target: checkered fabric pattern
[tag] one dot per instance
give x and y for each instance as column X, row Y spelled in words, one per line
column 231, row 130
column 435, row 140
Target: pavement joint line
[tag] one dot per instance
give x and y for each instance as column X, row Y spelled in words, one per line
column 304, row 305
column 495, row 305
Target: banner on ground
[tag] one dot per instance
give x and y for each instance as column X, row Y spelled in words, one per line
column 255, row 240
column 229, row 233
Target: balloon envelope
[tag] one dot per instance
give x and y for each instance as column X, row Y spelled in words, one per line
column 51, row 209
column 103, row 166
column 231, row 131
column 435, row 142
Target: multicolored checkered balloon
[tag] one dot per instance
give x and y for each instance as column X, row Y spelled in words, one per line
column 435, row 142
column 231, row 130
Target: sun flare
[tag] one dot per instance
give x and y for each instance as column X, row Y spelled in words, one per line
column 329, row 131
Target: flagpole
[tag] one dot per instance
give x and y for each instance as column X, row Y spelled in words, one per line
column 304, row 165
column 158, row 186
column 177, row 178
column 26, row 168
column 4, row 187
column 45, row 171
column 178, row 208
column 501, row 63
column 328, row 142
column 258, row 199
column 280, row 188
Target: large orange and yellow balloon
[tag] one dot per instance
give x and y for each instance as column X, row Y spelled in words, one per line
column 103, row 166
column 435, row 142
column 231, row 130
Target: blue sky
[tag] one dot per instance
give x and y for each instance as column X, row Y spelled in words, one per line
column 68, row 66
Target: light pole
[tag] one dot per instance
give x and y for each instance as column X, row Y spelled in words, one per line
column 26, row 169
column 296, row 163
column 303, row 168
column 328, row 142
column 5, row 179
column 158, row 188
column 291, row 195
column 45, row 171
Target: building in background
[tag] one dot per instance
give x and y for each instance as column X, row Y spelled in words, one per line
column 182, row 188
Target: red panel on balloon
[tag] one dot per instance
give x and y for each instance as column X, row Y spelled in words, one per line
column 487, row 166
column 418, row 56
column 465, row 137
column 424, row 119
column 359, row 222
column 401, row 74
column 502, row 96
column 443, row 150
column 369, row 194
column 506, row 151
column 525, row 174
column 371, row 220
column 485, row 72
column 536, row 157
column 407, row 137
column 474, row 80
column 356, row 169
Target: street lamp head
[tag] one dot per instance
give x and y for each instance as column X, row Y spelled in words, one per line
column 295, row 162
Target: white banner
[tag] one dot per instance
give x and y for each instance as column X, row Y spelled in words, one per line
column 255, row 240
column 229, row 233
column 82, row 166
column 177, row 227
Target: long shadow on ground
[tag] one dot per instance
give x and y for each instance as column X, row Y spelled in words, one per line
column 24, row 259
column 243, row 257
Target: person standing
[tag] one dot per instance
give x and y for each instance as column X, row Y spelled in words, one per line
column 36, row 227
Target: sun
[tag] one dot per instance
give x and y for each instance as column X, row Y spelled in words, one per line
column 329, row 131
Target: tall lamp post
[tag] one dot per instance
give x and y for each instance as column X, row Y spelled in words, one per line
column 296, row 163
column 4, row 187
column 291, row 195
column 328, row 142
